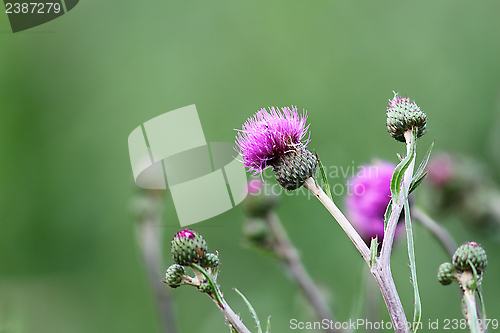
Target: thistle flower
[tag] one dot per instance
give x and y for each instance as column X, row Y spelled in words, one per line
column 274, row 138
column 404, row 115
column 370, row 193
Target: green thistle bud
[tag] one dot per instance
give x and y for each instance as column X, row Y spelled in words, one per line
column 473, row 252
column 404, row 115
column 211, row 260
column 188, row 247
column 446, row 273
column 293, row 168
column 174, row 274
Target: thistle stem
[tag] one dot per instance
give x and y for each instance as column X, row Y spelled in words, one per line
column 216, row 295
column 232, row 318
column 397, row 206
column 470, row 303
column 318, row 192
column 381, row 270
column 382, row 273
column 291, row 259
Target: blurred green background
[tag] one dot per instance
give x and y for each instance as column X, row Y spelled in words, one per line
column 73, row 89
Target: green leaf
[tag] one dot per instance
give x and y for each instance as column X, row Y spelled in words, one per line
column 417, row 311
column 387, row 214
column 252, row 311
column 324, row 178
column 373, row 250
column 416, row 182
column 420, row 174
column 477, row 286
column 400, row 169
column 268, row 330
column 424, row 162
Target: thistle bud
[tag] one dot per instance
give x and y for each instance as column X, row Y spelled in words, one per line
column 473, row 252
column 188, row 247
column 174, row 274
column 292, row 169
column 211, row 260
column 446, row 273
column 404, row 115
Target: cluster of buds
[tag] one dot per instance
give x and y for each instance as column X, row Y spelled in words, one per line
column 189, row 249
column 467, row 266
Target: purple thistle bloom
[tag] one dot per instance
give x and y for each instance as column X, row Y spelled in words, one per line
column 368, row 200
column 267, row 135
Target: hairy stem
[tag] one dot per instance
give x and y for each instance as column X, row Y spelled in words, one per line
column 232, row 318
column 291, row 259
column 216, row 294
column 470, row 303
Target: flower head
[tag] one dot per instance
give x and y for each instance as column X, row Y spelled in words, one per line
column 273, row 138
column 404, row 115
column 370, row 195
column 270, row 134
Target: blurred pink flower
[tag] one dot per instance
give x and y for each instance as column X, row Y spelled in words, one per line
column 369, row 198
